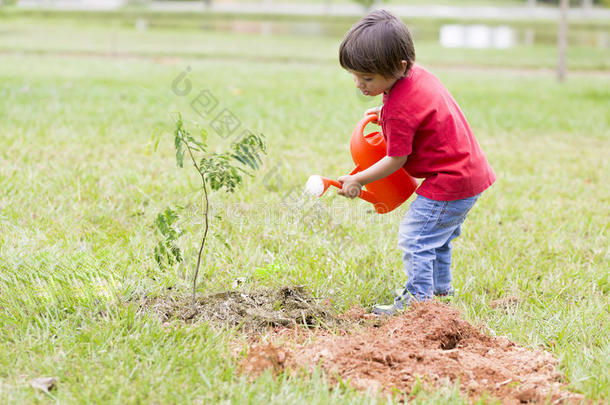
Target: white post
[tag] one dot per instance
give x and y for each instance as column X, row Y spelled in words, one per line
column 587, row 4
column 531, row 3
column 562, row 40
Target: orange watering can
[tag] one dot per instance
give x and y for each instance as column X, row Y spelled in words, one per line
column 385, row 194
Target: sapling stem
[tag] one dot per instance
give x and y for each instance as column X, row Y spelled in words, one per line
column 206, row 216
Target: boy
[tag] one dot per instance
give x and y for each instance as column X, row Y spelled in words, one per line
column 427, row 134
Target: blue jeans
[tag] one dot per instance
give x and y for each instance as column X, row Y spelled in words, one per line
column 425, row 236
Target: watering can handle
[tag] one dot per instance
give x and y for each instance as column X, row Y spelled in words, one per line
column 365, row 121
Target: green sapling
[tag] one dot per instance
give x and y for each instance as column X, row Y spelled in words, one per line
column 217, row 171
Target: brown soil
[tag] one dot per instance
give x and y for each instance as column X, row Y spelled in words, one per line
column 250, row 311
column 430, row 342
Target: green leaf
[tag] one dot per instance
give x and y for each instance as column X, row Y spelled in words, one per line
column 166, row 252
column 195, row 144
column 247, row 156
column 247, row 150
column 179, row 133
column 179, row 151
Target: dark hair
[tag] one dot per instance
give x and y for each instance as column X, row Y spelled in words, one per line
column 377, row 44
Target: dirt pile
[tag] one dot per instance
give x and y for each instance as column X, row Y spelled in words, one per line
column 250, row 311
column 430, row 342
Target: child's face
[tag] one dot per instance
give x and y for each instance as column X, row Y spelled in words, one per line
column 372, row 84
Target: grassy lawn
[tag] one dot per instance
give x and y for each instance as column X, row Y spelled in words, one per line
column 400, row 2
column 82, row 184
column 118, row 37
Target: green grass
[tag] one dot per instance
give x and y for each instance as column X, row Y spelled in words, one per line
column 81, row 186
column 402, row 2
column 114, row 38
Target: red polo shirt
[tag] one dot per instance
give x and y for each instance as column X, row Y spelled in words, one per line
column 419, row 118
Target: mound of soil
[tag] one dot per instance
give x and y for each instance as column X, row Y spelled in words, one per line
column 430, row 342
column 250, row 311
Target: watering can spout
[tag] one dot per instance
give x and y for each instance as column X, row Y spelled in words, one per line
column 317, row 185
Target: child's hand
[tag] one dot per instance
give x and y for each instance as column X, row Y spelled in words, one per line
column 373, row 111
column 350, row 187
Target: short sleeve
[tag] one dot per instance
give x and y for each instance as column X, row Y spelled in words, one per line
column 399, row 136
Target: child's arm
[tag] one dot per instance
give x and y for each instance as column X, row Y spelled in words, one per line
column 352, row 184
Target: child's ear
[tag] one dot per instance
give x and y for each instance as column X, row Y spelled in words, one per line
column 404, row 64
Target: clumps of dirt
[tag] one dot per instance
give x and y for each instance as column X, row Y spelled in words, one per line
column 250, row 311
column 262, row 357
column 430, row 343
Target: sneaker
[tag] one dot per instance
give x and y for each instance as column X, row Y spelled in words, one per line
column 445, row 294
column 400, row 304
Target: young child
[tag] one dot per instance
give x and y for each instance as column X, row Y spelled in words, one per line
column 428, row 135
